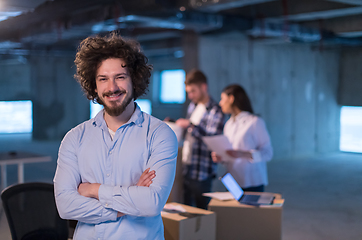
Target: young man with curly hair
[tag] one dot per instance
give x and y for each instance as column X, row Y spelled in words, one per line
column 116, row 170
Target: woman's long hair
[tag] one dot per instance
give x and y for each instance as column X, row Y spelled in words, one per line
column 241, row 99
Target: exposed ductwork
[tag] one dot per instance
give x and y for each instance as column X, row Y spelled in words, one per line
column 59, row 25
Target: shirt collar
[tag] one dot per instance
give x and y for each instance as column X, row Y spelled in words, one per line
column 136, row 118
column 241, row 115
column 210, row 104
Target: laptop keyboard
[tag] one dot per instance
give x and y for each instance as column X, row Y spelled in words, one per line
column 250, row 198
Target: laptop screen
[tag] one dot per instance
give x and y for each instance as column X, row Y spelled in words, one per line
column 231, row 185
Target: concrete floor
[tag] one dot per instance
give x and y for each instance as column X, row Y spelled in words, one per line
column 323, row 196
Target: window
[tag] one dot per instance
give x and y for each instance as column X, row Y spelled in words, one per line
column 16, row 116
column 144, row 104
column 94, row 109
column 351, row 129
column 172, row 86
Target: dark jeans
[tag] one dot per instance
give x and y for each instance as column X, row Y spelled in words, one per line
column 193, row 190
column 254, row 189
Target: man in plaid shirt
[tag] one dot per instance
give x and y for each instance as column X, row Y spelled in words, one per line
column 204, row 118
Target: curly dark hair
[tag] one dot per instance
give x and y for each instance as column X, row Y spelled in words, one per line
column 93, row 50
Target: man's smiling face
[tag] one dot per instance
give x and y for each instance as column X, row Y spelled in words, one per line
column 114, row 86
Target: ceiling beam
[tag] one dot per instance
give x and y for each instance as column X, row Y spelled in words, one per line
column 352, row 2
column 197, row 21
column 16, row 5
column 162, row 51
column 351, row 34
column 52, row 14
column 221, row 5
column 295, row 31
column 327, row 14
column 343, row 25
column 158, row 36
column 298, row 33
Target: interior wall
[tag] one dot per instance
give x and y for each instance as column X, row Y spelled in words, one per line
column 58, row 102
column 162, row 110
column 291, row 86
column 351, row 77
column 14, row 80
column 58, row 106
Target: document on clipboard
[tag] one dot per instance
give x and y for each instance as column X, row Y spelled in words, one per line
column 219, row 144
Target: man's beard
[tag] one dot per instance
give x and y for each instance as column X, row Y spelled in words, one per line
column 116, row 110
column 201, row 97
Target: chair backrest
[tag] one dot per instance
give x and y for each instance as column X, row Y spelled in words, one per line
column 31, row 212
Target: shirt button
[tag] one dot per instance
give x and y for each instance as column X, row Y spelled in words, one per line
column 108, row 174
column 106, row 204
column 110, row 152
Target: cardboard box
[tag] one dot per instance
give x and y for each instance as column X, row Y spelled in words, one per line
column 239, row 221
column 201, row 226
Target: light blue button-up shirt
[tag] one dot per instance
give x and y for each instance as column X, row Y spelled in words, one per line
column 88, row 154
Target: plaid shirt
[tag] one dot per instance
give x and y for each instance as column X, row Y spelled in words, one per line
column 202, row 167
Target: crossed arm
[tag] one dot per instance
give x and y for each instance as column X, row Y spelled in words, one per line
column 91, row 189
column 95, row 203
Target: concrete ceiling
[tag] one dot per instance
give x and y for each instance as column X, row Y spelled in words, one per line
column 59, row 25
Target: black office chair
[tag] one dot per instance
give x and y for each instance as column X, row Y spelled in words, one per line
column 32, row 214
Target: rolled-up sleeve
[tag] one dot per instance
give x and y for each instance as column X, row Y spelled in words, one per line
column 264, row 149
column 70, row 204
column 147, row 201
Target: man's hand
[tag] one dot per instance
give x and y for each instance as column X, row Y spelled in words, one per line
column 144, row 181
column 119, row 214
column 146, row 178
column 182, row 122
column 216, row 158
column 89, row 190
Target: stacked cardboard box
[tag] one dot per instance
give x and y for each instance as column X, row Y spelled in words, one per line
column 194, row 224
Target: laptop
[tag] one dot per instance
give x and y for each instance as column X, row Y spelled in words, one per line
column 238, row 193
